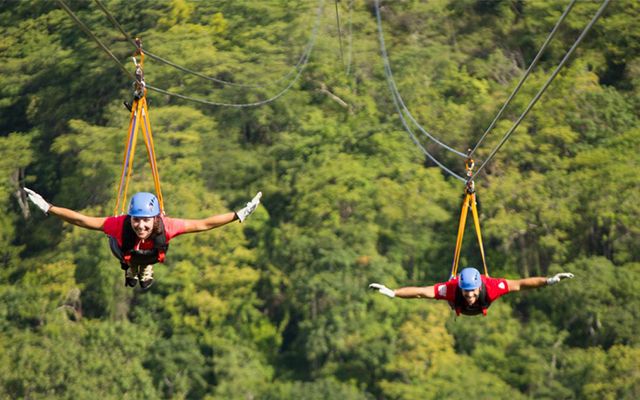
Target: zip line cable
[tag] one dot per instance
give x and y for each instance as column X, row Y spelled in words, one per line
column 237, row 105
column 388, row 72
column 153, row 56
column 604, row 5
column 90, row 34
column 396, row 102
column 417, row 142
column 525, row 75
column 301, row 60
column 394, row 88
column 203, row 101
column 262, row 102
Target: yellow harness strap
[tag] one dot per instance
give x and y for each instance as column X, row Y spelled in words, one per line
column 139, row 118
column 468, row 203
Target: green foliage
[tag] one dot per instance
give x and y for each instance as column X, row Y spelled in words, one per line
column 425, row 364
column 12, row 166
column 317, row 390
column 277, row 308
column 605, row 313
column 599, row 374
column 64, row 359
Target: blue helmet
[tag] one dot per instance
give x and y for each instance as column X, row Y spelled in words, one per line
column 143, row 205
column 469, row 279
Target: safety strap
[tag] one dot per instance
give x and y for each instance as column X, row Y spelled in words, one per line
column 468, row 203
column 139, row 119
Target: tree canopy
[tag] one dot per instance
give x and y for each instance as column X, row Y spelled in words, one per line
column 278, row 307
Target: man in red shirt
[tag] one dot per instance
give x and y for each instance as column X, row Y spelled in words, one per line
column 141, row 238
column 470, row 293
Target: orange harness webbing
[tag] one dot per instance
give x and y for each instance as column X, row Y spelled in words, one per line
column 139, row 118
column 468, row 203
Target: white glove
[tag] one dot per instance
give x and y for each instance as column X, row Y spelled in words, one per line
column 382, row 289
column 558, row 277
column 38, row 200
column 249, row 208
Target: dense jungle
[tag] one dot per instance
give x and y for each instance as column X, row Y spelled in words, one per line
column 301, row 107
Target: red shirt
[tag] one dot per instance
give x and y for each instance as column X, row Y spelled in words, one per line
column 113, row 227
column 495, row 288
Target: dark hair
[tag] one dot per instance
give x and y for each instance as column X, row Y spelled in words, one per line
column 156, row 226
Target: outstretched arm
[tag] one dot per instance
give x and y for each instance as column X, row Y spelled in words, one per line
column 75, row 218
column 410, row 292
column 65, row 214
column 536, row 282
column 199, row 225
column 413, row 292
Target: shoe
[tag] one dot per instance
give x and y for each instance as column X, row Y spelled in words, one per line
column 146, row 276
column 250, row 208
column 130, row 277
column 127, row 105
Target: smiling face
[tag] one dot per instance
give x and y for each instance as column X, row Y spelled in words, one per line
column 471, row 296
column 142, row 226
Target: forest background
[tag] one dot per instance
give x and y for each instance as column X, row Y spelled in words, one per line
column 278, row 307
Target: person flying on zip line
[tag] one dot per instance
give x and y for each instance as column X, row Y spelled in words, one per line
column 470, row 293
column 141, row 238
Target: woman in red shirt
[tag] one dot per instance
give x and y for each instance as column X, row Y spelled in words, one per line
column 141, row 238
